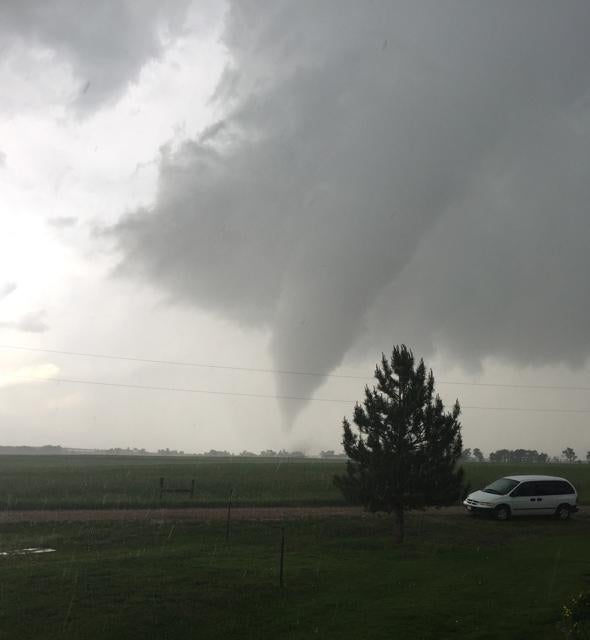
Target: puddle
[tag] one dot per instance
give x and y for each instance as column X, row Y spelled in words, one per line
column 25, row 552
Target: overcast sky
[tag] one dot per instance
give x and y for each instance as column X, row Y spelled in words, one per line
column 292, row 186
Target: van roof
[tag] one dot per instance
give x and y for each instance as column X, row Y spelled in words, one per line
column 532, row 478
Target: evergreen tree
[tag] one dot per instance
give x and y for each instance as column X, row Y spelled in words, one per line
column 406, row 452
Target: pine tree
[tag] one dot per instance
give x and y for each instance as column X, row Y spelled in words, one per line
column 406, row 452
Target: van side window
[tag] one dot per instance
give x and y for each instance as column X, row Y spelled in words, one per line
column 553, row 488
column 524, row 489
column 547, row 488
column 563, row 488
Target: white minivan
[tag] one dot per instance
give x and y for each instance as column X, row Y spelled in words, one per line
column 525, row 496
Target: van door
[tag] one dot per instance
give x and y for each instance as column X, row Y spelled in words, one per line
column 546, row 499
column 561, row 493
column 523, row 499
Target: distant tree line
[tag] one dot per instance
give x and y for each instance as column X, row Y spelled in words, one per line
column 507, row 456
column 519, row 456
column 48, row 449
column 223, row 453
column 472, row 456
column 270, row 453
column 330, row 454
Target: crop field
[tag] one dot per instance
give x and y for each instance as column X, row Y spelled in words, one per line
column 34, row 482
column 454, row 576
column 51, row 482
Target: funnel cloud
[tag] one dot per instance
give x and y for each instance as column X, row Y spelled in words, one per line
column 385, row 172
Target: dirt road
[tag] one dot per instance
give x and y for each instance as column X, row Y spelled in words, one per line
column 205, row 514
column 175, row 515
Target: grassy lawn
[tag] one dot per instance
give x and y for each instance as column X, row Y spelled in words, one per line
column 38, row 482
column 455, row 577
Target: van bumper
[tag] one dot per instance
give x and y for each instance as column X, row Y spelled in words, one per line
column 473, row 508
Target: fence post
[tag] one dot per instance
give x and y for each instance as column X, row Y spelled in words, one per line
column 282, row 557
column 161, row 488
column 228, row 514
column 193, row 488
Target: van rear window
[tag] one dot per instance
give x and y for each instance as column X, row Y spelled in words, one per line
column 562, row 488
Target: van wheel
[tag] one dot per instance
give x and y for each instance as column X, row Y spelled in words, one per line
column 502, row 512
column 563, row 512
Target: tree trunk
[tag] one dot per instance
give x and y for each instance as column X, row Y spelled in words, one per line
column 398, row 517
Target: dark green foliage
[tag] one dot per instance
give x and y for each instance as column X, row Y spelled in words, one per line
column 575, row 617
column 407, row 447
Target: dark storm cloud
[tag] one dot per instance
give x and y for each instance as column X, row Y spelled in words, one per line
column 106, row 43
column 409, row 171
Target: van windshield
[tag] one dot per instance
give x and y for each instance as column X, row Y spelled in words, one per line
column 501, row 487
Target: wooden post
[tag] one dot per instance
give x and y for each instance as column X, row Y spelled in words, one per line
column 228, row 514
column 282, row 557
column 193, row 488
column 161, row 488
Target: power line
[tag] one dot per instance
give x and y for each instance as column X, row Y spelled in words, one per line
column 268, row 396
column 525, row 409
column 185, row 390
column 181, row 363
column 515, row 386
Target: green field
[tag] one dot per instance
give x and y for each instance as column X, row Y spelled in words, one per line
column 48, row 482
column 344, row 578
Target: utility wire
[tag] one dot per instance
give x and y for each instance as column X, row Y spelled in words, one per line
column 183, row 389
column 181, row 363
column 272, row 396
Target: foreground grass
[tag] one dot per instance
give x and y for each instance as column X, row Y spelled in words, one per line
column 51, row 482
column 455, row 577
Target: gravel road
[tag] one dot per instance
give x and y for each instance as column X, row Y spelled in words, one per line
column 206, row 514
